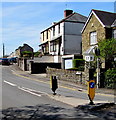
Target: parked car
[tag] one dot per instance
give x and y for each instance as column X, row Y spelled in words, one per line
column 13, row 60
column 4, row 61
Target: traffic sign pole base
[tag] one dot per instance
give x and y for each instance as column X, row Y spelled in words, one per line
column 91, row 103
column 54, row 93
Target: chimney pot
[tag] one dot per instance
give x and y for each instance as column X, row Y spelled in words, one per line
column 67, row 13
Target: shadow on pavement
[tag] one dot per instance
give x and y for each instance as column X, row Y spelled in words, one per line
column 48, row 112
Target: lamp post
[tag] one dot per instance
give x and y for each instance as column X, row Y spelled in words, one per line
column 3, row 51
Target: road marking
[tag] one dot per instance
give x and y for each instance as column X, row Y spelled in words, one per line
column 10, row 83
column 27, row 90
column 24, row 89
column 73, row 89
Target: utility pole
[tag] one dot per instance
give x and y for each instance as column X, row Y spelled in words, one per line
column 3, row 51
column 97, row 52
column 98, row 73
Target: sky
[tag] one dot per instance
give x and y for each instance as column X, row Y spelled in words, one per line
column 22, row 22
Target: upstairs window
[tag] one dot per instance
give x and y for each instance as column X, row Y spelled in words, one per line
column 59, row 28
column 43, row 36
column 54, row 31
column 93, row 38
column 47, row 34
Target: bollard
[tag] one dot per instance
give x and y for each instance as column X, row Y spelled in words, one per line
column 91, row 91
column 53, row 84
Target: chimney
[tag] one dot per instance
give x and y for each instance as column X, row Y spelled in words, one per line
column 67, row 13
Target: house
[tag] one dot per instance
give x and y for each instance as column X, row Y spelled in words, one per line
column 114, row 29
column 20, row 50
column 63, row 37
column 99, row 25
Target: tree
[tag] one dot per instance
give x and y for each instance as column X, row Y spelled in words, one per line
column 27, row 53
column 108, row 51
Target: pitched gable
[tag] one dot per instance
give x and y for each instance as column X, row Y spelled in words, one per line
column 114, row 24
column 105, row 18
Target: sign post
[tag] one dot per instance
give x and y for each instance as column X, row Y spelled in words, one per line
column 91, row 91
column 53, row 84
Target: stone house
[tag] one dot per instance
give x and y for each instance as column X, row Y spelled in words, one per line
column 99, row 25
column 63, row 37
column 19, row 51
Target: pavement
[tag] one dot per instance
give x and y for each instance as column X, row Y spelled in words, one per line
column 68, row 100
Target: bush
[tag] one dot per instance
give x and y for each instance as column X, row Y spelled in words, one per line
column 78, row 64
column 110, row 78
column 36, row 54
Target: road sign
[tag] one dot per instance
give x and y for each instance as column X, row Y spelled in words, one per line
column 91, row 90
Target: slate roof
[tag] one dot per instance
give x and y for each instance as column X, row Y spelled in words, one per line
column 107, row 18
column 74, row 17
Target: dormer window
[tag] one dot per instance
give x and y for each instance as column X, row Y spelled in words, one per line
column 93, row 38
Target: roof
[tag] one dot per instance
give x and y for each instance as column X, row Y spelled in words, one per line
column 20, row 47
column 105, row 18
column 74, row 17
column 90, row 50
column 114, row 24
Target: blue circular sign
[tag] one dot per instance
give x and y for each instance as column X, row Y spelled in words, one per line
column 92, row 85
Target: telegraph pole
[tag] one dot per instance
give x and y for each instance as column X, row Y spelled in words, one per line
column 97, row 52
column 3, row 51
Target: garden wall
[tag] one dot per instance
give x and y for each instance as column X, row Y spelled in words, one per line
column 68, row 75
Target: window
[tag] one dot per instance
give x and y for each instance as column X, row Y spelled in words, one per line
column 54, row 31
column 53, row 46
column 93, row 38
column 43, row 36
column 47, row 34
column 59, row 28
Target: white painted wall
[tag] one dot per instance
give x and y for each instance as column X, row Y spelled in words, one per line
column 56, row 31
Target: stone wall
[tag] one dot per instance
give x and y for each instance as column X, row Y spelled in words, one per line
column 77, row 77
column 93, row 25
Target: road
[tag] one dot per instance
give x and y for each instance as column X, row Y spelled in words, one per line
column 18, row 91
